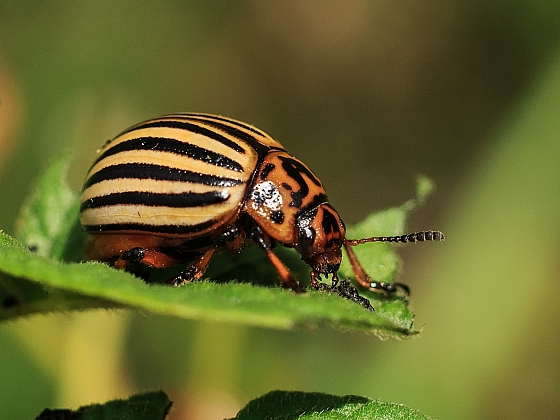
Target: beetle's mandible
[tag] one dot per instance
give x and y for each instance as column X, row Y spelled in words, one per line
column 179, row 188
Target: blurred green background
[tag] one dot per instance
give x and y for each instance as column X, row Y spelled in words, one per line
column 367, row 93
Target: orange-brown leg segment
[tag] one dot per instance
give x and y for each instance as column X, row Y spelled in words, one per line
column 361, row 277
column 365, row 281
column 194, row 271
column 286, row 278
column 148, row 257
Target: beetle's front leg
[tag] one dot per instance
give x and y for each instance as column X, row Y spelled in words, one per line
column 365, row 281
column 381, row 286
column 287, row 279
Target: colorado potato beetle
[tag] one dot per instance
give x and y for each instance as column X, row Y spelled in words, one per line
column 177, row 189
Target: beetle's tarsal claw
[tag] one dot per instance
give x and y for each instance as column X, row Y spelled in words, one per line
column 403, row 287
column 382, row 287
column 346, row 290
column 314, row 279
column 183, row 277
column 298, row 288
column 334, row 279
column 176, row 281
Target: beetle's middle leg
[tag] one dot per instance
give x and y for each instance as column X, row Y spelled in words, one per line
column 149, row 257
column 195, row 270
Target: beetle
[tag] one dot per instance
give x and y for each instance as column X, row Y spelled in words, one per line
column 178, row 188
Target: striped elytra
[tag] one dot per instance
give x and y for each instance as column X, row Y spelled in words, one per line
column 178, row 188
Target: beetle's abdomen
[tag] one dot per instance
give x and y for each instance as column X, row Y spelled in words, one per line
column 181, row 175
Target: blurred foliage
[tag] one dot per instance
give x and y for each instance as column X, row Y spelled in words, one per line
column 280, row 405
column 368, row 94
column 149, row 406
column 48, row 222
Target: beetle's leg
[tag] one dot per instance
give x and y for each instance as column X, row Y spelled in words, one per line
column 334, row 279
column 381, row 286
column 365, row 281
column 287, row 279
column 314, row 279
column 361, row 277
column 148, row 257
column 194, row 271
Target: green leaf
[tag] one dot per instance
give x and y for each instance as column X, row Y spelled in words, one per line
column 378, row 259
column 149, row 406
column 244, row 288
column 234, row 302
column 48, row 221
column 315, row 406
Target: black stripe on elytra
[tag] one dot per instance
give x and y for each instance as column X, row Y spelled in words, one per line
column 188, row 199
column 194, row 128
column 158, row 172
column 236, row 132
column 166, row 229
column 230, row 121
column 173, row 146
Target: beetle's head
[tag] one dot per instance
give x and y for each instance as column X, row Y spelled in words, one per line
column 320, row 237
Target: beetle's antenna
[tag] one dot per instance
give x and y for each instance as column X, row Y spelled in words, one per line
column 428, row 235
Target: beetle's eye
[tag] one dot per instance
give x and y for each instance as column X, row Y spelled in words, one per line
column 320, row 229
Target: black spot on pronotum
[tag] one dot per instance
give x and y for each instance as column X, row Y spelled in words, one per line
column 297, row 198
column 277, row 217
column 266, row 170
column 294, row 169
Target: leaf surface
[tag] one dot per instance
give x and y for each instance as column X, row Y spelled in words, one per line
column 295, row 405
